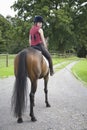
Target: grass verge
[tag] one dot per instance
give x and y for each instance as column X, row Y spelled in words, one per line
column 6, row 71
column 80, row 70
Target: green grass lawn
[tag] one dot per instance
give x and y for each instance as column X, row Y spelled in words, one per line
column 57, row 60
column 80, row 70
column 6, row 71
column 65, row 61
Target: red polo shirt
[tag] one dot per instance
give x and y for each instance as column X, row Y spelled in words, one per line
column 35, row 36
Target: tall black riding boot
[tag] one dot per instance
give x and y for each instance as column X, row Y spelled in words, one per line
column 51, row 67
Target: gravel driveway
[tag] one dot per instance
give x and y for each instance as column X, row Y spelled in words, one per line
column 68, row 99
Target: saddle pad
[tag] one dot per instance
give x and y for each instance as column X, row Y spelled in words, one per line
column 46, row 60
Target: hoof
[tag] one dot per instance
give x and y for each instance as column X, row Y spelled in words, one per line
column 19, row 120
column 48, row 105
column 33, row 119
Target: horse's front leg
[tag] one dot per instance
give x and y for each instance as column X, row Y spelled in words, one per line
column 32, row 94
column 46, row 91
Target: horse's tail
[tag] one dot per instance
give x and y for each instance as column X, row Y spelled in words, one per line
column 19, row 97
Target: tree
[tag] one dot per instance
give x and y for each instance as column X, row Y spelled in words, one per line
column 64, row 24
column 80, row 24
column 19, row 34
column 57, row 20
column 5, row 35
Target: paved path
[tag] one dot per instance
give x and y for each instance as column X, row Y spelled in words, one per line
column 68, row 99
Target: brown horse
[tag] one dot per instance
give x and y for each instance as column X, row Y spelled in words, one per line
column 28, row 63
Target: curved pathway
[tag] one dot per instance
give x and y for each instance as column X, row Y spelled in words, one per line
column 68, row 99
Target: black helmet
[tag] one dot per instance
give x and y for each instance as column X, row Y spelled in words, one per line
column 38, row 19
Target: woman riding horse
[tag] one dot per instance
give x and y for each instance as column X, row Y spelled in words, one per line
column 31, row 63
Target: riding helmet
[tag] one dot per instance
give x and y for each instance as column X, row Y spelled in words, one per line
column 38, row 19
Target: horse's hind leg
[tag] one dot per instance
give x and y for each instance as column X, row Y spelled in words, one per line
column 46, row 91
column 32, row 94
